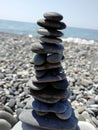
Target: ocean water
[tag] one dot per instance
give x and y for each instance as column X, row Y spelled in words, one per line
column 24, row 28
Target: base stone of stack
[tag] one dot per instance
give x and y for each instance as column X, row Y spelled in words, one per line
column 81, row 126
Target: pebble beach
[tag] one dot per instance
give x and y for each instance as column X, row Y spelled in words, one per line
column 80, row 64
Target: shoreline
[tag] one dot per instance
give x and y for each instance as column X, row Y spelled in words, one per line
column 80, row 65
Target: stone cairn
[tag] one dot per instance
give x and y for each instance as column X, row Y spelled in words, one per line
column 49, row 108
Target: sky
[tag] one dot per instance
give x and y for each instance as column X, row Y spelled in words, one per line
column 76, row 13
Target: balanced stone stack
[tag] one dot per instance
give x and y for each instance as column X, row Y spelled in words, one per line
column 49, row 108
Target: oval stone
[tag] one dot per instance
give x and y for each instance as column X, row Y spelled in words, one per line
column 4, row 125
column 40, row 73
column 63, row 84
column 35, row 86
column 54, row 58
column 47, row 66
column 50, row 32
column 51, row 40
column 47, row 48
column 49, row 78
column 39, row 59
column 8, row 117
column 59, row 107
column 50, row 93
column 54, row 16
column 51, row 25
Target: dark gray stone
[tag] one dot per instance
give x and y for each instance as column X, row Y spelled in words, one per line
column 54, row 58
column 59, row 107
column 47, row 66
column 49, row 121
column 49, row 78
column 54, row 16
column 63, row 84
column 40, row 73
column 50, row 40
column 36, row 86
column 48, row 100
column 47, row 48
column 50, row 32
column 51, row 24
column 50, row 93
column 39, row 59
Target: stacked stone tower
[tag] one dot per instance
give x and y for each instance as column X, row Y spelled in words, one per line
column 49, row 108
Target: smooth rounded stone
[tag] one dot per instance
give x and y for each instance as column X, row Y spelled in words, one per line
column 54, row 58
column 54, row 16
column 7, row 109
column 40, row 73
column 36, row 86
column 50, row 40
column 8, row 117
column 47, row 66
column 81, row 126
column 50, row 32
column 49, row 121
column 47, row 100
column 59, row 107
column 51, row 24
column 38, row 59
column 63, row 84
column 86, row 126
column 43, row 48
column 66, row 115
column 50, row 93
column 49, row 78
column 4, row 125
column 12, row 103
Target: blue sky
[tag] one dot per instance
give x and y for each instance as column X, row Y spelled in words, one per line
column 77, row 13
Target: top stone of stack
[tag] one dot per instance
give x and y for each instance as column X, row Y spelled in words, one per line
column 53, row 16
column 52, row 21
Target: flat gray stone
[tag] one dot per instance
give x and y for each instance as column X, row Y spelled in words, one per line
column 63, row 84
column 47, row 48
column 36, row 86
column 38, row 59
column 40, row 73
column 47, row 100
column 54, row 16
column 8, row 117
column 54, row 58
column 65, row 115
column 49, row 121
column 51, row 24
column 47, row 66
column 4, row 125
column 50, row 93
column 50, row 32
column 49, row 78
column 50, row 40
column 59, row 107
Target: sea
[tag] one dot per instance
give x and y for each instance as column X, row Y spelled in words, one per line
column 26, row 28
